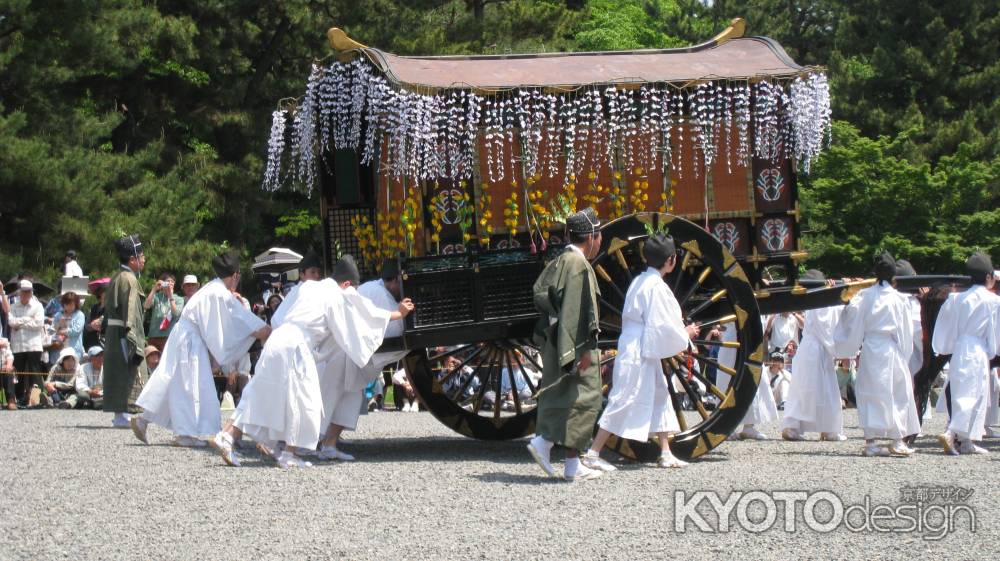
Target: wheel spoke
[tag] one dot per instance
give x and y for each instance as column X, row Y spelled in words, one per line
column 527, row 379
column 723, row 319
column 620, row 258
column 459, row 368
column 611, row 307
column 682, row 271
column 447, row 354
column 601, row 272
column 498, row 384
column 715, row 363
column 532, row 361
column 694, row 287
column 692, row 394
column 716, row 343
column 465, row 385
column 719, row 295
column 485, row 384
column 674, row 400
column 513, row 386
column 608, row 326
column 701, row 378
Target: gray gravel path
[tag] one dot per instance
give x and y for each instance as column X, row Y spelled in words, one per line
column 74, row 488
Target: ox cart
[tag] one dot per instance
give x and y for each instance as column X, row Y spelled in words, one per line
column 462, row 167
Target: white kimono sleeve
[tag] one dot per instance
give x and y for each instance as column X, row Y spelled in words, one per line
column 850, row 331
column 946, row 327
column 904, row 333
column 225, row 325
column 663, row 331
column 357, row 326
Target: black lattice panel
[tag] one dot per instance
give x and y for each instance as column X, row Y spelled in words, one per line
column 506, row 291
column 340, row 230
column 441, row 298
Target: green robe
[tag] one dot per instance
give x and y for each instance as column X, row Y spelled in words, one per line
column 569, row 404
column 124, row 361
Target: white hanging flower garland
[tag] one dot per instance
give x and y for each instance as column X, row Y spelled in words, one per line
column 351, row 106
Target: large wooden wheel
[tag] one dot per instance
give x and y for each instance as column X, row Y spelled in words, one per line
column 457, row 383
column 712, row 288
column 481, row 389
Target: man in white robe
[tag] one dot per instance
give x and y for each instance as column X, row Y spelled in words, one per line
column 968, row 329
column 782, row 328
column 180, row 395
column 639, row 404
column 993, row 409
column 342, row 382
column 283, row 401
column 814, row 402
column 878, row 321
column 762, row 409
column 916, row 362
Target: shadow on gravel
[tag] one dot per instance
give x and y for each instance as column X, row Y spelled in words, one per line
column 507, row 478
column 89, row 427
column 437, row 449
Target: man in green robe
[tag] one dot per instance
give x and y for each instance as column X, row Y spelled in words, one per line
column 125, row 337
column 569, row 399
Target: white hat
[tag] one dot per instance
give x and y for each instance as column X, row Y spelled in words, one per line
column 95, row 350
column 67, row 351
column 190, row 279
column 26, row 284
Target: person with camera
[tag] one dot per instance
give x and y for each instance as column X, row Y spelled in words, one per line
column 68, row 323
column 164, row 307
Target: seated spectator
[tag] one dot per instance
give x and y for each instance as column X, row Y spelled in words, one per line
column 90, row 382
column 27, row 326
column 456, row 381
column 402, row 389
column 790, row 349
column 507, row 393
column 152, row 358
column 60, row 385
column 165, row 308
column 781, row 378
column 846, row 374
column 68, row 324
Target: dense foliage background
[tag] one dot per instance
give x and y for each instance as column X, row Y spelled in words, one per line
column 124, row 115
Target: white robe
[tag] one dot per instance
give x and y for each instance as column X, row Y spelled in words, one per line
column 993, row 410
column 783, row 330
column 916, row 361
column 652, row 329
column 780, row 382
column 968, row 328
column 878, row 322
column 762, row 409
column 342, row 382
column 813, row 403
column 180, row 395
column 283, row 399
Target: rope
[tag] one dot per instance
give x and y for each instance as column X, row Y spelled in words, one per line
column 46, row 374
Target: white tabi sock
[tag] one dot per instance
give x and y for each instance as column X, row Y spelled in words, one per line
column 543, row 446
column 572, row 466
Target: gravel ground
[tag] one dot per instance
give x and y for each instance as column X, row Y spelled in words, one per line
column 75, row 488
